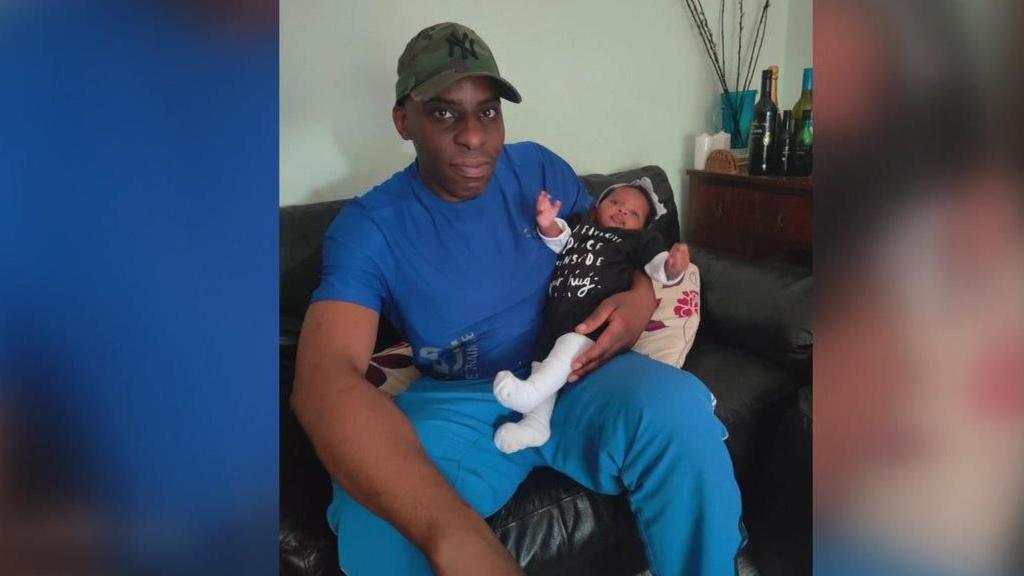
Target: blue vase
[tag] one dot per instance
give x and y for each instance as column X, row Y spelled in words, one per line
column 738, row 105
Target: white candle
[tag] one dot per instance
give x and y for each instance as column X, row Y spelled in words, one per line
column 721, row 141
column 701, row 150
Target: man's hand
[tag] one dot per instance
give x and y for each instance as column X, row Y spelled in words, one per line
column 678, row 260
column 626, row 314
column 546, row 214
column 472, row 555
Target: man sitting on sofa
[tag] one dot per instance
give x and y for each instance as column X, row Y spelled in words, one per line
column 446, row 250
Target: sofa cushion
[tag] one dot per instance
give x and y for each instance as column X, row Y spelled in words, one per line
column 307, row 551
column 762, row 306
column 307, row 545
column 752, row 394
column 391, row 370
column 553, row 525
column 672, row 329
column 783, row 545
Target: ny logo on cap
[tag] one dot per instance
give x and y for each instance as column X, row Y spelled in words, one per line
column 465, row 49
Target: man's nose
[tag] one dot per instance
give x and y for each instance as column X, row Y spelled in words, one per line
column 470, row 134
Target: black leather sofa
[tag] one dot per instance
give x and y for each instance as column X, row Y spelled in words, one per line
column 753, row 350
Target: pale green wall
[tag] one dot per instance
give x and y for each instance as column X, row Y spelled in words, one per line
column 798, row 50
column 606, row 84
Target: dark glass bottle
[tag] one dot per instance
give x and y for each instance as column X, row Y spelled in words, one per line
column 801, row 162
column 763, row 127
column 779, row 161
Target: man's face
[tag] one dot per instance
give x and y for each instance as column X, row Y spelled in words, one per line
column 624, row 207
column 458, row 136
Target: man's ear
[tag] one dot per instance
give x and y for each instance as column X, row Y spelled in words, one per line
column 399, row 116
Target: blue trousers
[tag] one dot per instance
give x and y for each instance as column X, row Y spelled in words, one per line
column 634, row 425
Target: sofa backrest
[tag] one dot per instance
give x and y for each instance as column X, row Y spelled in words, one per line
column 762, row 306
column 302, row 230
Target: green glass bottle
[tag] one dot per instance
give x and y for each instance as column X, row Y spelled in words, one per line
column 801, row 162
column 806, row 98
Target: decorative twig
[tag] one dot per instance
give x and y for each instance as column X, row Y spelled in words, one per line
column 703, row 22
column 721, row 28
column 759, row 35
column 704, row 33
column 739, row 45
column 717, row 57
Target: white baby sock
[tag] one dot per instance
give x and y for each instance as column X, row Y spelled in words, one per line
column 546, row 378
column 532, row 431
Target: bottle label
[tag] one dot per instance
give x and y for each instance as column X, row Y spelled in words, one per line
column 760, row 132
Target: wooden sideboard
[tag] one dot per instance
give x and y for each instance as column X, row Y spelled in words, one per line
column 765, row 217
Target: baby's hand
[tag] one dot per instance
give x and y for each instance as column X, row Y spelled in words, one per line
column 546, row 211
column 678, row 260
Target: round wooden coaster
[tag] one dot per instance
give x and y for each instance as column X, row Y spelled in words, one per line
column 721, row 161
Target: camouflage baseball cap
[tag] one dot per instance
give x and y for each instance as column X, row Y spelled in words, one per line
column 441, row 54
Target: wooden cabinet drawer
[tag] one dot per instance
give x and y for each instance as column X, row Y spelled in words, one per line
column 783, row 227
column 722, row 220
column 752, row 216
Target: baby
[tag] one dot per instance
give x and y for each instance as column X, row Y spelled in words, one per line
column 596, row 260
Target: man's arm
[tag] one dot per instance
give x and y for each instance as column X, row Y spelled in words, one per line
column 372, row 450
column 626, row 314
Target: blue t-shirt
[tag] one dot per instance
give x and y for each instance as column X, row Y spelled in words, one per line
column 464, row 282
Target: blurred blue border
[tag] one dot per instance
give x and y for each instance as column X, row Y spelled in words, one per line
column 138, row 307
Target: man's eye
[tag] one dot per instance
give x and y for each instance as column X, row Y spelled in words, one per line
column 442, row 114
column 490, row 113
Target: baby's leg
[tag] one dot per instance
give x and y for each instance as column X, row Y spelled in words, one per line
column 532, row 431
column 547, row 378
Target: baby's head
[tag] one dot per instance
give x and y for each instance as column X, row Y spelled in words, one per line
column 628, row 206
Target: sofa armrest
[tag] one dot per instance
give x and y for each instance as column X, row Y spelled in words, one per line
column 765, row 307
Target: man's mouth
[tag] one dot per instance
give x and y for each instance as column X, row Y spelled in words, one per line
column 472, row 169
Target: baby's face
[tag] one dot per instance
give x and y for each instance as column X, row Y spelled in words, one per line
column 625, row 207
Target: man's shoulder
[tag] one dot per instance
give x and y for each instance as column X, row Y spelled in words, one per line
column 387, row 196
column 536, row 168
column 367, row 213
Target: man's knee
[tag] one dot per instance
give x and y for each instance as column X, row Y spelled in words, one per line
column 633, row 390
column 666, row 395
column 435, row 436
column 368, row 544
column 672, row 408
column 464, row 452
